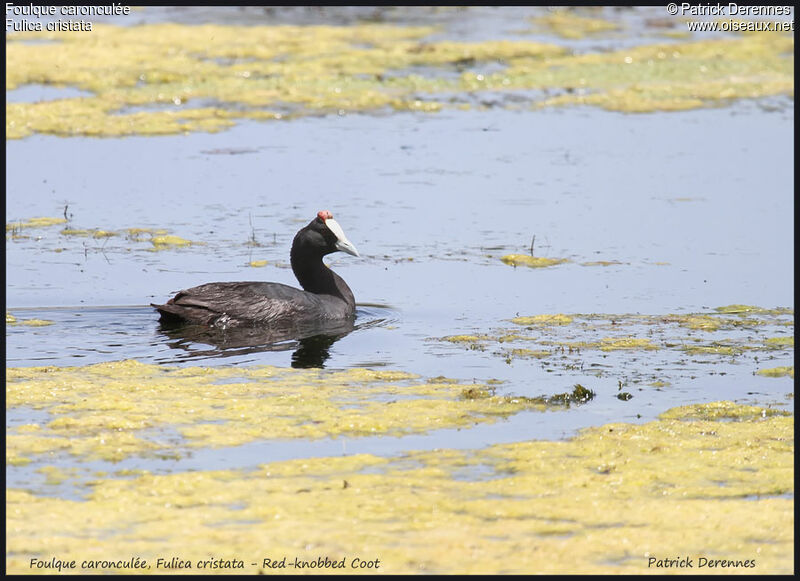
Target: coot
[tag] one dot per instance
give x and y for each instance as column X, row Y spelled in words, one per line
column 326, row 297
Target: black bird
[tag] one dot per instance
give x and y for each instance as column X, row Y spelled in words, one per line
column 326, row 298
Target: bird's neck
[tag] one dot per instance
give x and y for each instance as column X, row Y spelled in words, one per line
column 317, row 278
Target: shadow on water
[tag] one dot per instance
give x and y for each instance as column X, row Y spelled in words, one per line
column 95, row 334
column 311, row 342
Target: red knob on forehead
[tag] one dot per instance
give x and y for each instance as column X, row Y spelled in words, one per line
column 324, row 215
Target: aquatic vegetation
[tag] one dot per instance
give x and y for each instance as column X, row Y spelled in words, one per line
column 531, row 261
column 167, row 241
column 714, row 349
column 721, row 410
column 35, row 322
column 673, row 77
column 700, row 322
column 464, row 338
column 143, row 84
column 688, row 484
column 777, row 371
column 14, row 229
column 543, row 320
column 578, row 395
column 94, row 233
column 158, row 237
column 41, row 222
column 567, row 24
column 523, row 353
column 114, row 410
column 12, row 320
column 749, row 309
column 779, row 342
column 137, row 234
column 583, row 341
column 601, row 263
column 610, row 344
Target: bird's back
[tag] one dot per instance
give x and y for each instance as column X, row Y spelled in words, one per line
column 230, row 304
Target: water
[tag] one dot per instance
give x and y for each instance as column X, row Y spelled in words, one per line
column 432, row 201
column 695, row 207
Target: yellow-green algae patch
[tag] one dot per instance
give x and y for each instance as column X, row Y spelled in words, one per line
column 531, row 261
column 701, row 322
column 114, row 410
column 779, row 342
column 567, row 24
column 35, row 322
column 582, row 341
column 205, row 77
column 42, row 222
column 612, row 344
column 749, row 309
column 557, row 319
column 464, row 338
column 12, row 320
column 677, row 76
column 777, row 371
column 94, row 232
column 683, row 485
column 138, row 234
column 168, row 241
column 526, row 353
column 721, row 410
column 601, row 263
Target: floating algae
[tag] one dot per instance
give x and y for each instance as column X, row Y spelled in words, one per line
column 35, row 322
column 749, row 309
column 94, row 232
column 601, row 263
column 464, row 338
column 114, row 410
column 543, row 320
column 582, row 341
column 158, row 237
column 42, row 222
column 567, row 24
column 205, row 77
column 685, row 484
column 14, row 229
column 611, row 344
column 168, row 241
column 12, row 320
column 137, row 234
column 777, row 371
column 721, row 410
column 779, row 342
column 531, row 261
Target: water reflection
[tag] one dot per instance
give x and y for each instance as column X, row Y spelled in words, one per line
column 311, row 342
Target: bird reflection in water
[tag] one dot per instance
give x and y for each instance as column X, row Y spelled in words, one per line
column 311, row 341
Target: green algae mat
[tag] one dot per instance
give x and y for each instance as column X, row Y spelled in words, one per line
column 710, row 483
column 677, row 347
column 165, row 78
column 713, row 482
column 110, row 411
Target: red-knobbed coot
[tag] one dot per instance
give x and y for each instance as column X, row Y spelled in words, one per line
column 232, row 304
